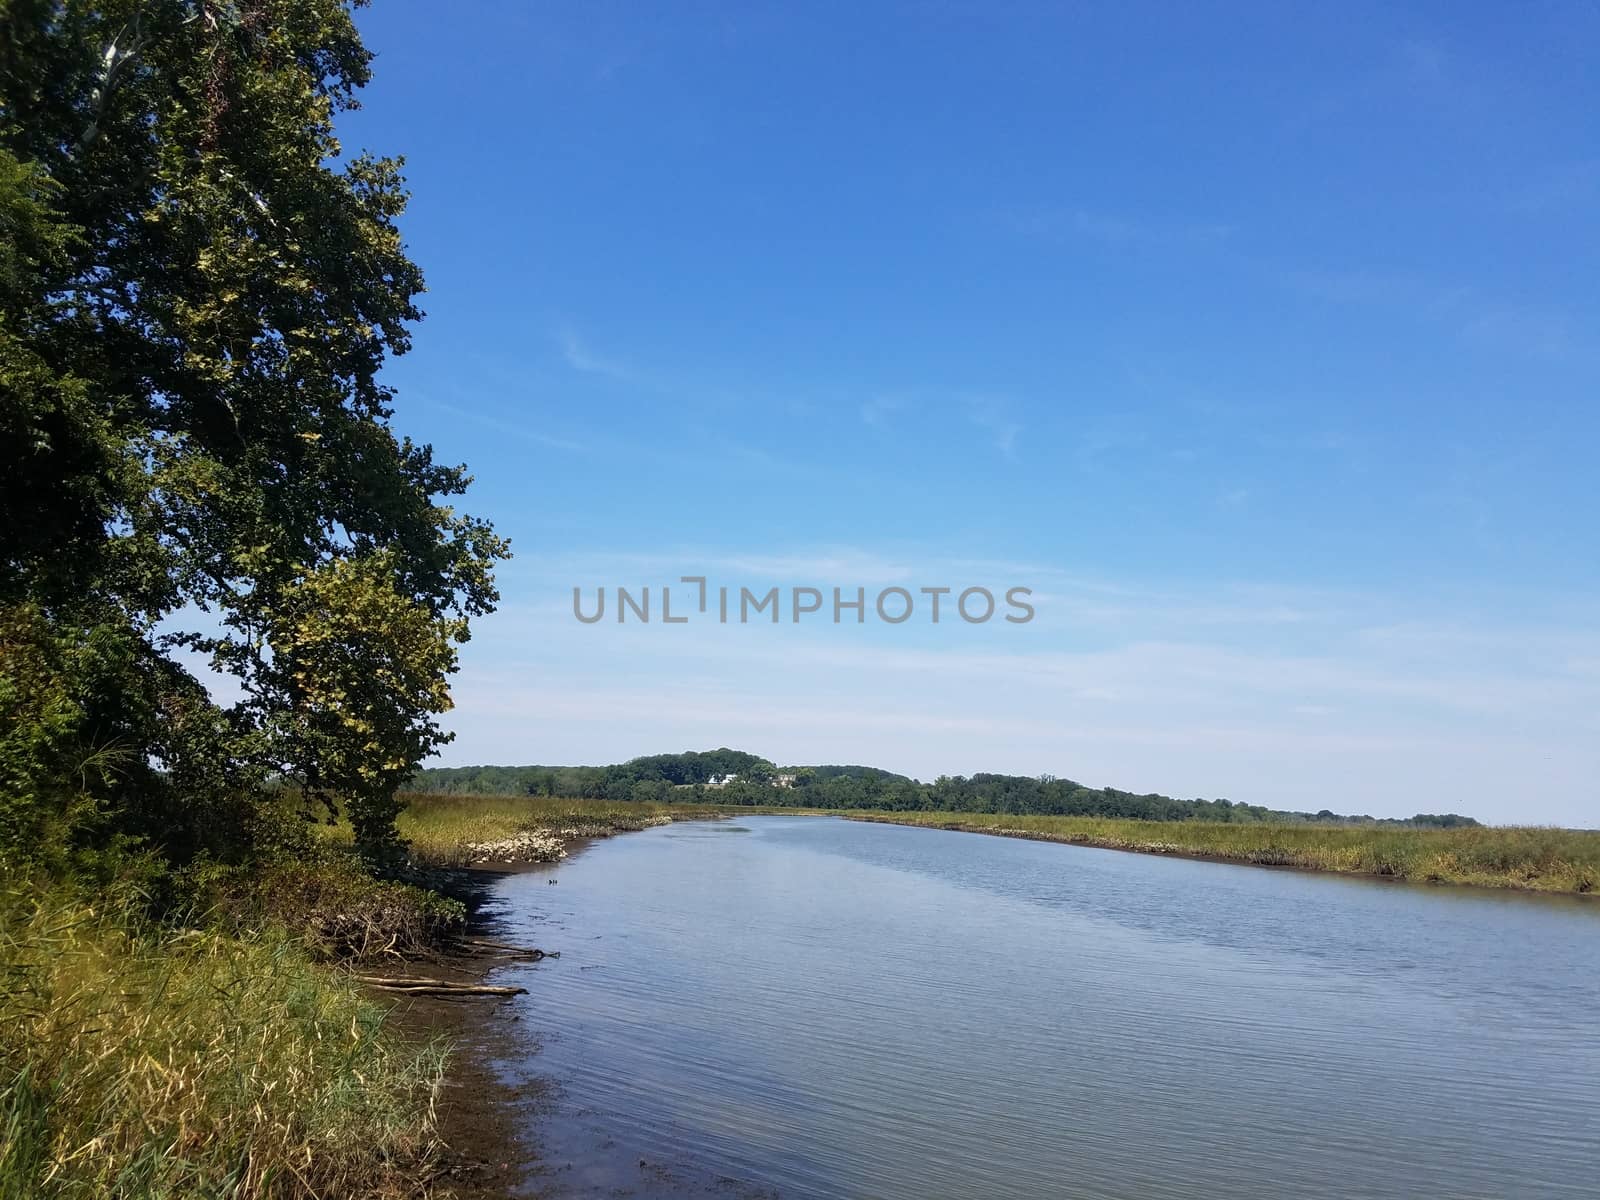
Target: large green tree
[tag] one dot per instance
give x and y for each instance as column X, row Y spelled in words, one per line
column 198, row 290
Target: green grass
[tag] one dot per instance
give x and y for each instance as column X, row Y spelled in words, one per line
column 148, row 1063
column 1536, row 858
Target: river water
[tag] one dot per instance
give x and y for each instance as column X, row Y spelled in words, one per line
column 811, row 1007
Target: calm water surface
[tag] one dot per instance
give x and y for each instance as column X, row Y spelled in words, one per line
column 809, row 1007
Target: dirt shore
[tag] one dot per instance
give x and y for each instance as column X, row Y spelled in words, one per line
column 483, row 1115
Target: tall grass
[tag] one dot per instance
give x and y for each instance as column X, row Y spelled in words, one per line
column 1537, row 858
column 147, row 1063
column 439, row 827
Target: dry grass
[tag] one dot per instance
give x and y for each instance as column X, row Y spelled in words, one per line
column 1536, row 858
column 148, row 1064
column 441, row 828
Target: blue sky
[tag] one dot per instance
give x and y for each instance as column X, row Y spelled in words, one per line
column 1261, row 341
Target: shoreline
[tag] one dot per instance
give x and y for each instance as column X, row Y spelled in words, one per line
column 483, row 1116
column 1281, row 860
column 477, row 1110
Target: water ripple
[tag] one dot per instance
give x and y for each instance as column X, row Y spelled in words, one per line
column 831, row 1010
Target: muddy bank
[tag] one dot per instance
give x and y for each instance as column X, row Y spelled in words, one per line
column 482, row 1115
column 488, row 1117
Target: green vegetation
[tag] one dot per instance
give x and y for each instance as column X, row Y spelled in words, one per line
column 1546, row 860
column 698, row 778
column 198, row 292
column 140, row 1062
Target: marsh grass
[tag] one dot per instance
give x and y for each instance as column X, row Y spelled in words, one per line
column 148, row 1063
column 1532, row 857
column 439, row 828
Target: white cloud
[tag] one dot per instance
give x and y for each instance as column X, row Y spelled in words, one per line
column 1281, row 696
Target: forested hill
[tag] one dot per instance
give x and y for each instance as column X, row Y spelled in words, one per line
column 704, row 776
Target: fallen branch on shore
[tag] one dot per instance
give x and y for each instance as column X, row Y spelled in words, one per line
column 416, row 985
column 520, row 951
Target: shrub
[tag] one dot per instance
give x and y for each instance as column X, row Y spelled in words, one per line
column 331, row 906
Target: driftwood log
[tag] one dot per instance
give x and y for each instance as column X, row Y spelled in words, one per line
column 529, row 952
column 418, row 985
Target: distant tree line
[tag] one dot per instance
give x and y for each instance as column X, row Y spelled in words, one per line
column 685, row 778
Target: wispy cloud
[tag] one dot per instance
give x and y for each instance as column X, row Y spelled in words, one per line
column 1379, row 287
column 1467, row 311
column 1425, row 65
column 1540, row 334
column 1399, row 76
column 814, row 566
column 995, row 418
column 1184, row 719
column 879, row 410
column 515, row 429
column 580, row 357
column 1315, row 441
column 1557, row 188
column 1263, row 692
column 1107, row 446
column 1115, row 230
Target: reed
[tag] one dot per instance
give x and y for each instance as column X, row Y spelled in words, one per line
column 1538, row 858
column 143, row 1062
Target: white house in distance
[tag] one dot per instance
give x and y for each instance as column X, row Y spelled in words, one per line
column 720, row 781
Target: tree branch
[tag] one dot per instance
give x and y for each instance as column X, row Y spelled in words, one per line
column 113, row 61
